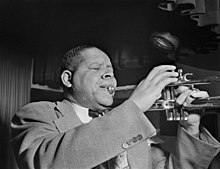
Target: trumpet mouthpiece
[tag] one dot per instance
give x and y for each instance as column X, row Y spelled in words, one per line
column 111, row 89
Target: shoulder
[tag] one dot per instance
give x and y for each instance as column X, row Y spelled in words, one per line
column 37, row 110
column 39, row 105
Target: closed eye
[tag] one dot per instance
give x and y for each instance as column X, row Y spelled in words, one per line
column 95, row 68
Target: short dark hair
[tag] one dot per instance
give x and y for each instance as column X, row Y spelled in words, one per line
column 72, row 58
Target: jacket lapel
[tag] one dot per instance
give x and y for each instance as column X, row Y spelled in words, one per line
column 68, row 119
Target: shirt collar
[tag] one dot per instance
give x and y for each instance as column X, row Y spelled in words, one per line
column 82, row 113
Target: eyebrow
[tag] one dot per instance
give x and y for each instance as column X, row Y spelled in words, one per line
column 100, row 64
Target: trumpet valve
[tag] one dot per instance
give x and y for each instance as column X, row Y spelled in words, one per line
column 176, row 115
column 169, row 115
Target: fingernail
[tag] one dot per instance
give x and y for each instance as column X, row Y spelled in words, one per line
column 185, row 104
column 192, row 97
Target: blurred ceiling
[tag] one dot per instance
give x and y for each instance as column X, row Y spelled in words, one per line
column 117, row 26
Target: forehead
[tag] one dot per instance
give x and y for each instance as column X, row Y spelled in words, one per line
column 94, row 54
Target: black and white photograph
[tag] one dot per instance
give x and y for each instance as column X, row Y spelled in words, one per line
column 110, row 84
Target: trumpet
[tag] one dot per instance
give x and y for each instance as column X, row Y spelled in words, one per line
column 167, row 102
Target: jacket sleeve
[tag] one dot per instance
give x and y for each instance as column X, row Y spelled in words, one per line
column 39, row 144
column 188, row 152
column 191, row 152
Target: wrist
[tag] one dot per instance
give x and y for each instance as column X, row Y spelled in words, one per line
column 196, row 135
column 192, row 129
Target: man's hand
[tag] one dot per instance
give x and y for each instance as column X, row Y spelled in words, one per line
column 149, row 89
column 187, row 96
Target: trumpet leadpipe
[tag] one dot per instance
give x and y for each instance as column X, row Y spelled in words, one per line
column 112, row 89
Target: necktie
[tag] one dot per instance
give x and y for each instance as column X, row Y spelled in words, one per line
column 93, row 113
column 121, row 161
column 98, row 113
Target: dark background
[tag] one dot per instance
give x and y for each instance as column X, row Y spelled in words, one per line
column 42, row 31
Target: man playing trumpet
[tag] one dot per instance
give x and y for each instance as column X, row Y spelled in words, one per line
column 62, row 135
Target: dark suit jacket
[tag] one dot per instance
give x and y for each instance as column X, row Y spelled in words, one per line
column 50, row 135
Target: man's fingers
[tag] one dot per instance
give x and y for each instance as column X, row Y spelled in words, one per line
column 159, row 69
column 181, row 89
column 164, row 82
column 164, row 75
column 182, row 97
column 188, row 96
column 199, row 94
column 195, row 94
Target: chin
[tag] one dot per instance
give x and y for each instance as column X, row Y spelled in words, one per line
column 104, row 100
column 106, row 103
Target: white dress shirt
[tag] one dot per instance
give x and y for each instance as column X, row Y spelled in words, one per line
column 82, row 113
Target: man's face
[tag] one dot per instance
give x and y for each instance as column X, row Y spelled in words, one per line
column 91, row 79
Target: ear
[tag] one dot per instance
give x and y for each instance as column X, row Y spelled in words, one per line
column 66, row 77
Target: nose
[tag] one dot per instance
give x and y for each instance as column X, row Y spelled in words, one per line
column 107, row 75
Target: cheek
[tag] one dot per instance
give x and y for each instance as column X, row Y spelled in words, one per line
column 88, row 87
column 84, row 82
column 87, row 90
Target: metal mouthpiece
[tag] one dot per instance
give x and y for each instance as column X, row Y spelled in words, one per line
column 111, row 89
